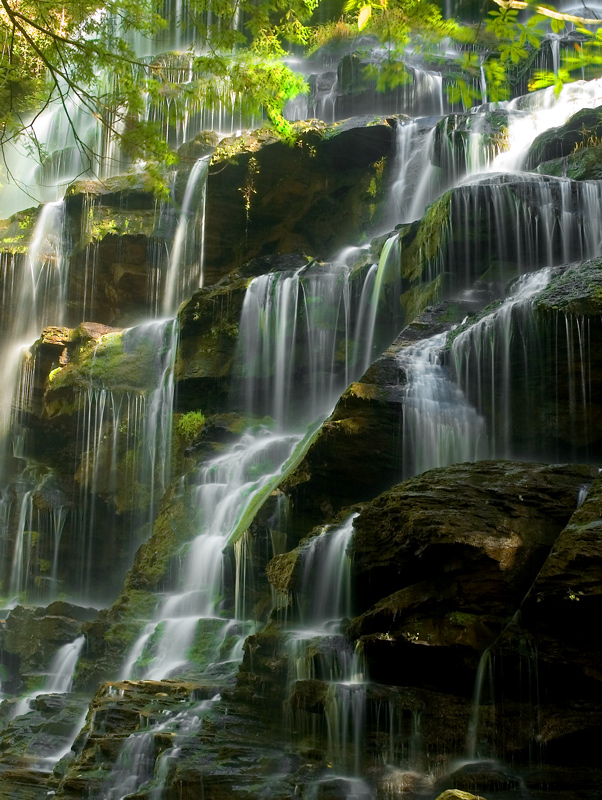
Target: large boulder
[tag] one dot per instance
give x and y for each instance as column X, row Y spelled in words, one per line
column 446, row 558
column 564, row 605
column 266, row 197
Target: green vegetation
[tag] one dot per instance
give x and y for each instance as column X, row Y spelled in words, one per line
column 189, row 426
column 424, row 240
column 104, row 363
column 81, row 51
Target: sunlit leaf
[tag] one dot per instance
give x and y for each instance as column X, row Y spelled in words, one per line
column 363, row 17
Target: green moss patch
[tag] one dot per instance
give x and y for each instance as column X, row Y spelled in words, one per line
column 421, row 246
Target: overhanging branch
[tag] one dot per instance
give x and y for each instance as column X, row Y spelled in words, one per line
column 547, row 12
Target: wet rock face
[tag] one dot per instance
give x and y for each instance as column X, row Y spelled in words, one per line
column 447, row 557
column 365, row 428
column 452, row 137
column 30, row 637
column 564, row 606
column 583, row 164
column 539, row 359
column 273, row 198
column 117, row 711
column 116, row 248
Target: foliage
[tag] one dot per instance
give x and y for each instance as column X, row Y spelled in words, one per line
column 86, row 55
column 496, row 47
column 79, row 54
column 190, row 425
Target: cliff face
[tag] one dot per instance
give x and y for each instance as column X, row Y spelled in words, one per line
column 322, row 505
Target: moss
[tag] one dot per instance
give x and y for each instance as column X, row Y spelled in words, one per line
column 232, row 146
column 425, row 245
column 577, row 290
column 130, row 611
column 261, row 496
column 365, row 391
column 463, row 619
column 173, row 527
column 105, row 363
column 501, row 272
column 34, row 683
column 189, row 426
column 455, row 312
column 16, row 232
column 416, row 299
column 131, row 494
column 281, row 569
column 150, row 649
column 470, row 321
column 207, row 642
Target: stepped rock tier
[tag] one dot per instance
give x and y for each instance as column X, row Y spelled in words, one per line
column 300, row 486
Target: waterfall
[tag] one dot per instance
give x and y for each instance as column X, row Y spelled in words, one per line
column 143, row 760
column 326, row 580
column 440, row 427
column 484, row 358
column 519, row 223
column 387, row 270
column 304, row 335
column 225, row 489
column 295, row 321
column 179, row 282
column 317, row 650
column 62, row 667
column 124, row 438
column 60, row 674
column 37, row 292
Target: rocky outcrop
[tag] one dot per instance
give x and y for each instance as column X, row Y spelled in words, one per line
column 583, row 164
column 118, row 711
column 30, row 637
column 564, row 605
column 266, row 197
column 31, row 743
column 364, row 428
column 447, row 557
column 583, row 130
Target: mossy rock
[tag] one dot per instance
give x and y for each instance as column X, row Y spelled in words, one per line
column 203, row 144
column 281, row 571
column 96, row 357
column 575, row 290
column 174, row 526
column 421, row 242
column 16, row 232
column 583, row 129
column 583, row 164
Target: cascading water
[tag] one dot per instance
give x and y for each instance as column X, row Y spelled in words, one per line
column 303, row 335
column 318, row 650
column 484, row 359
column 180, row 283
column 439, row 426
column 60, row 674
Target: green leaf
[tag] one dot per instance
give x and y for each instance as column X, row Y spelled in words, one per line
column 557, row 25
column 364, row 17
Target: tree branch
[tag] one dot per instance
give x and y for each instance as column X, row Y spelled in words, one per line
column 547, row 12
